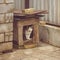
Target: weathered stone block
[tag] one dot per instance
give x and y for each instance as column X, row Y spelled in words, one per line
column 6, row 8
column 9, row 17
column 8, row 33
column 10, row 26
column 6, row 46
column 2, row 20
column 6, row 27
column 1, row 37
column 6, row 38
column 11, row 38
column 3, row 28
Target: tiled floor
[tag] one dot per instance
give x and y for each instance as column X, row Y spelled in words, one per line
column 44, row 52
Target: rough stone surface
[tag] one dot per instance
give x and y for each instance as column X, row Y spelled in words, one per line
column 6, row 27
column 9, row 36
column 1, row 37
column 9, row 17
column 2, row 20
column 6, row 24
column 5, row 8
column 44, row 52
column 6, row 46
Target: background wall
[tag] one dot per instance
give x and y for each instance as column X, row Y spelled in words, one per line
column 19, row 4
column 53, row 7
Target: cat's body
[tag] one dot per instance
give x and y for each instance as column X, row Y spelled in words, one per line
column 28, row 33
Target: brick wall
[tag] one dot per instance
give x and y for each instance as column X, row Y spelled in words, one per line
column 6, row 24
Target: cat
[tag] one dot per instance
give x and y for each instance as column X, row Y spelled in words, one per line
column 28, row 33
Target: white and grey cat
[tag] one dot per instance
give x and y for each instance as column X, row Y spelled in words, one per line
column 28, row 33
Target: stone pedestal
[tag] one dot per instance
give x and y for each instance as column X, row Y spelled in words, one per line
column 20, row 24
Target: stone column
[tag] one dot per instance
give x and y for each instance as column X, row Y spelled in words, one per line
column 6, row 24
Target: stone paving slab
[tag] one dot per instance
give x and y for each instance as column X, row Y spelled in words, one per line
column 44, row 52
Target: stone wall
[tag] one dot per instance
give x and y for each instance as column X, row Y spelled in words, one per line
column 6, row 24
